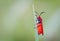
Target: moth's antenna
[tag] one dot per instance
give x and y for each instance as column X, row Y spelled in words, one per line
column 36, row 12
column 42, row 13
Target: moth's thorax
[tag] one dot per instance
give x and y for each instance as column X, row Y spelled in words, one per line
column 39, row 19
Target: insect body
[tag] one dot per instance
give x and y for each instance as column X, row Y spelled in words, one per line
column 39, row 24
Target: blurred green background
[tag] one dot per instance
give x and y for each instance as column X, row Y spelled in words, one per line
column 17, row 21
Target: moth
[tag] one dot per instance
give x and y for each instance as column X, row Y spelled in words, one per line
column 39, row 23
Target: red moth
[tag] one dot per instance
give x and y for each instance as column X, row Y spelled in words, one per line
column 39, row 24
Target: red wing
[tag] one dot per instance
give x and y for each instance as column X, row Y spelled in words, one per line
column 40, row 28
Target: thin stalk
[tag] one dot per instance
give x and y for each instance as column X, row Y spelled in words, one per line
column 36, row 33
